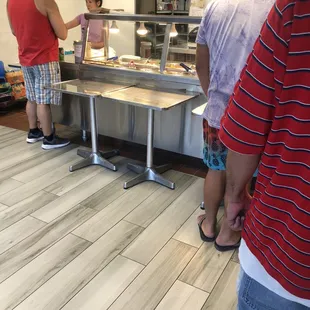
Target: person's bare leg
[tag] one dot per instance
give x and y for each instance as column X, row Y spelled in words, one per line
column 214, row 190
column 31, row 110
column 45, row 118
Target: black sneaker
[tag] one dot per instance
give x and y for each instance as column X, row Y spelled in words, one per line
column 34, row 137
column 56, row 143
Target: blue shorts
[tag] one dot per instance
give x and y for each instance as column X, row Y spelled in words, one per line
column 37, row 77
column 214, row 151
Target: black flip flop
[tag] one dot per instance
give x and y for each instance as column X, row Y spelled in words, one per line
column 226, row 248
column 202, row 235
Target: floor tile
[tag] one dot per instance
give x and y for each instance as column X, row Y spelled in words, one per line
column 39, row 183
column 28, row 279
column 108, row 194
column 149, row 288
column 60, row 289
column 8, row 185
column 28, row 249
column 101, row 292
column 32, row 162
column 61, row 158
column 150, row 242
column 67, row 201
column 224, row 294
column 11, row 215
column 206, row 267
column 18, row 232
column 154, row 205
column 115, row 212
column 11, row 161
column 183, row 297
column 189, row 232
column 73, row 180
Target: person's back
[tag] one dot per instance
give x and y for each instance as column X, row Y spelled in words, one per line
column 229, row 29
column 268, row 121
column 37, row 42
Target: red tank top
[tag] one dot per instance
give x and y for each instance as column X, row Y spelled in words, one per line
column 37, row 42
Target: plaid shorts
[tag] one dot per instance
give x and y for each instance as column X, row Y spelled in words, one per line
column 214, row 151
column 37, row 77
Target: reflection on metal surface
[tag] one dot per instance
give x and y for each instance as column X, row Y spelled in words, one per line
column 149, row 98
column 176, row 130
column 86, row 88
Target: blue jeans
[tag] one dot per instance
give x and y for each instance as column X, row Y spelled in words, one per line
column 252, row 295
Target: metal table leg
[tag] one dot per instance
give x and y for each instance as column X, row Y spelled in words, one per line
column 149, row 173
column 84, row 135
column 94, row 157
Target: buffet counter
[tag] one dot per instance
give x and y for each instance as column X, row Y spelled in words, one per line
column 176, row 130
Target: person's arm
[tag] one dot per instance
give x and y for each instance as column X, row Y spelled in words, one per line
column 73, row 23
column 54, row 16
column 7, row 3
column 202, row 66
column 239, row 171
column 248, row 119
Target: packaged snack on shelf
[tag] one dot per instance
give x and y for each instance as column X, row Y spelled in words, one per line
column 14, row 77
column 19, row 91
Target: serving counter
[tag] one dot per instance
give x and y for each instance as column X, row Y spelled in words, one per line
column 176, row 130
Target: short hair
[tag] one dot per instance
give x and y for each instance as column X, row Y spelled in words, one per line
column 100, row 2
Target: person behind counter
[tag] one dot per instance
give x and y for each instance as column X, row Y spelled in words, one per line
column 37, row 26
column 225, row 38
column 96, row 33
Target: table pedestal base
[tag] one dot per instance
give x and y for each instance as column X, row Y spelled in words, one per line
column 92, row 158
column 149, row 174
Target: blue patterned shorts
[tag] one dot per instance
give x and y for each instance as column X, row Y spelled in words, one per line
column 214, row 151
column 37, row 77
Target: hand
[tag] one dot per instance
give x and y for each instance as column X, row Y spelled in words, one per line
column 236, row 209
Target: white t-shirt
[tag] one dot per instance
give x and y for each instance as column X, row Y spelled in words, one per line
column 229, row 28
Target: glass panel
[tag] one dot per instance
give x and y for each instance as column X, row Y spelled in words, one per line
column 139, row 46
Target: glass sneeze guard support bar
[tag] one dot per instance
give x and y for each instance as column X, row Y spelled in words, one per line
column 146, row 18
column 85, row 39
column 106, row 35
column 164, row 55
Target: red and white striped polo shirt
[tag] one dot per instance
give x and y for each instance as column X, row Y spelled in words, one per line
column 269, row 114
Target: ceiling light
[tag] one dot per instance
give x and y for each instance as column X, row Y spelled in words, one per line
column 142, row 31
column 114, row 28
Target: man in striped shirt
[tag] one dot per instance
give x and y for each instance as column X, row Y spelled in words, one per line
column 268, row 121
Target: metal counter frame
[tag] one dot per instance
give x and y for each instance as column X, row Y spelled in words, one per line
column 130, row 95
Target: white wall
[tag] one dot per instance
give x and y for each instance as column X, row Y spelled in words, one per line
column 123, row 43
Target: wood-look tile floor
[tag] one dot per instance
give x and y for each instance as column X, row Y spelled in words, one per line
column 80, row 241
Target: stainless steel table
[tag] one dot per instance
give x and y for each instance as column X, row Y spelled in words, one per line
column 151, row 100
column 91, row 90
